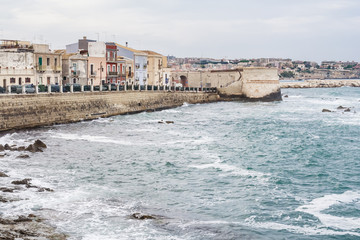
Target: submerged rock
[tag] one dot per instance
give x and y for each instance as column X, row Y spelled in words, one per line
column 3, row 174
column 25, row 181
column 170, row 122
column 140, row 216
column 341, row 107
column 23, row 156
column 2, row 148
column 326, row 110
column 5, row 189
column 32, row 148
column 347, row 110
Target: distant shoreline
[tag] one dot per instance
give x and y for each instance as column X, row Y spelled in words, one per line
column 326, row 83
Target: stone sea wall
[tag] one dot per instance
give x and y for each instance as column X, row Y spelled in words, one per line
column 34, row 110
column 321, row 84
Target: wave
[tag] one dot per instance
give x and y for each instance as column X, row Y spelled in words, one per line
column 230, row 169
column 316, row 206
column 89, row 138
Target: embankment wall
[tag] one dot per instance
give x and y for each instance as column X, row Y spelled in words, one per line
column 33, row 110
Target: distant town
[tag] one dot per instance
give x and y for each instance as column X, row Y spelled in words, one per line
column 91, row 62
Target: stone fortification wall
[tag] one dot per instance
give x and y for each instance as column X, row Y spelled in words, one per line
column 25, row 111
column 321, row 84
column 261, row 83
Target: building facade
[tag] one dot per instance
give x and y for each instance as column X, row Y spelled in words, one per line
column 96, row 63
column 48, row 65
column 75, row 68
column 140, row 59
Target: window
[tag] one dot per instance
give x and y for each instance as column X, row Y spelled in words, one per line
column 27, row 80
column 40, row 61
column 12, row 80
column 47, row 61
column 55, row 62
column 114, row 68
column 40, row 80
column 92, row 69
column 48, row 80
column 108, row 68
column 56, row 80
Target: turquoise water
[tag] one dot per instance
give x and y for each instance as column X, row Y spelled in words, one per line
column 228, row 170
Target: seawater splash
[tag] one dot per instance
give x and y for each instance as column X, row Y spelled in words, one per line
column 316, row 206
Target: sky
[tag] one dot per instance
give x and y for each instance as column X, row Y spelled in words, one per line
column 312, row 30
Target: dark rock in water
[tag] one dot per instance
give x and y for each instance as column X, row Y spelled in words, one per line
column 170, row 122
column 43, row 189
column 2, row 155
column 286, row 96
column 2, row 148
column 341, row 107
column 347, row 110
column 140, row 216
column 3, row 200
column 22, row 148
column 39, row 144
column 7, row 147
column 25, row 181
column 32, row 148
column 23, row 156
column 326, row 110
column 161, row 121
column 22, row 219
column 30, row 186
column 4, row 189
column 3, row 174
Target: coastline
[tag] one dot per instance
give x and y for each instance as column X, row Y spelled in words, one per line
column 327, row 83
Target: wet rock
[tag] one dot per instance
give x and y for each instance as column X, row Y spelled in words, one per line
column 2, row 155
column 170, row 122
column 286, row 96
column 140, row 216
column 32, row 148
column 7, row 147
column 326, row 110
column 2, row 148
column 43, row 189
column 22, row 148
column 347, row 110
column 25, row 181
column 23, row 156
column 161, row 121
column 341, row 107
column 3, row 200
column 6, row 221
column 3, row 174
column 39, row 144
column 9, row 190
column 22, row 219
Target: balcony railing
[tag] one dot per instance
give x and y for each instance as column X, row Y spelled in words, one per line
column 41, row 68
column 113, row 73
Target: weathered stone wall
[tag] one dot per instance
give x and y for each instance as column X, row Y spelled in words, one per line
column 32, row 110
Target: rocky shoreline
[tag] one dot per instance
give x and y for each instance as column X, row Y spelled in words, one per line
column 30, row 227
column 320, row 84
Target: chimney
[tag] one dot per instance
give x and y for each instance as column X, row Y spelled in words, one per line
column 84, row 37
column 127, row 44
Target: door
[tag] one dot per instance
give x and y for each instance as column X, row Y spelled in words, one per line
column 48, row 80
column 20, row 81
column 4, row 83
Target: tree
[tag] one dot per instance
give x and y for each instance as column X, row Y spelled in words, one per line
column 287, row 74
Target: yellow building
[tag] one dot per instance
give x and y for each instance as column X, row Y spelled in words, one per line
column 155, row 68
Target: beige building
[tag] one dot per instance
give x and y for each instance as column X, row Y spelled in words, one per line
column 16, row 63
column 75, row 68
column 48, row 65
column 158, row 72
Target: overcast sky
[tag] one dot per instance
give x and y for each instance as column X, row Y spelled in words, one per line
column 302, row 30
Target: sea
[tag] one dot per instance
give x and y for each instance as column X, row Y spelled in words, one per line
column 225, row 170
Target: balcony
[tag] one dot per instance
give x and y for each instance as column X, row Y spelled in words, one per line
column 41, row 68
column 57, row 69
column 113, row 73
column 75, row 73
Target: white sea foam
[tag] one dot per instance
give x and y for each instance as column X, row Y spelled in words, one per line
column 233, row 170
column 316, row 206
column 90, row 138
